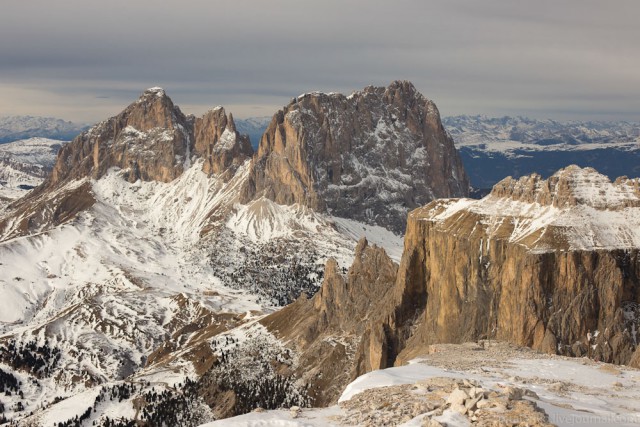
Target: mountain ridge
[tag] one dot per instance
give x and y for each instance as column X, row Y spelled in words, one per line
column 14, row 128
column 479, row 270
column 137, row 252
column 492, row 148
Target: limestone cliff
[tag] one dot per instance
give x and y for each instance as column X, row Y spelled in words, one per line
column 338, row 333
column 371, row 156
column 551, row 264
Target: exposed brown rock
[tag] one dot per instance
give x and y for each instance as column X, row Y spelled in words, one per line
column 337, row 333
column 464, row 277
column 220, row 144
column 48, row 209
column 569, row 187
column 150, row 139
column 431, row 397
column 371, row 156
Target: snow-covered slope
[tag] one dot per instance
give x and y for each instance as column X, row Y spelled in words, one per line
column 511, row 380
column 24, row 164
column 509, row 133
column 145, row 279
column 13, row 128
column 493, row 148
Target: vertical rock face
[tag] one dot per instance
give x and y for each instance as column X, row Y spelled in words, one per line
column 220, row 144
column 338, row 334
column 370, row 156
column 550, row 264
column 151, row 139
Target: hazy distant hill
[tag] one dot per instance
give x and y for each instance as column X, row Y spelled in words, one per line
column 493, row 148
column 254, row 127
column 14, row 128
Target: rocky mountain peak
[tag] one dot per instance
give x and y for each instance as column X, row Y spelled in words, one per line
column 572, row 186
column 154, row 109
column 155, row 91
column 150, row 140
column 220, row 144
column 371, row 156
column 346, row 312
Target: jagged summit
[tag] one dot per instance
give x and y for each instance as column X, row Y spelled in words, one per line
column 370, row 156
column 150, row 139
column 153, row 140
column 572, row 186
column 217, row 140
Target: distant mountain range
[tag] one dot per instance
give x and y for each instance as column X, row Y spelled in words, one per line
column 254, row 127
column 14, row 128
column 25, row 164
column 493, row 148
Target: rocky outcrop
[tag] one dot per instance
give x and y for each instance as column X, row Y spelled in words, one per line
column 338, row 333
column 371, row 156
column 150, row 139
column 550, row 264
column 220, row 144
column 46, row 210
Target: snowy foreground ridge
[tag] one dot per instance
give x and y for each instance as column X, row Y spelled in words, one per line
column 570, row 391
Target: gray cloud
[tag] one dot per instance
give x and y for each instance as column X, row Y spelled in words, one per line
column 85, row 60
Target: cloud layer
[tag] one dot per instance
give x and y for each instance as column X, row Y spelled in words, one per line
column 85, row 60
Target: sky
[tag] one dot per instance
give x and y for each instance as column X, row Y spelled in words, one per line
column 85, row 60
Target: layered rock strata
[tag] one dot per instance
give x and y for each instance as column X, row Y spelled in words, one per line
column 550, row 264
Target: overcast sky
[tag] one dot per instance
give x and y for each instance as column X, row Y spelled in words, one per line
column 84, row 60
